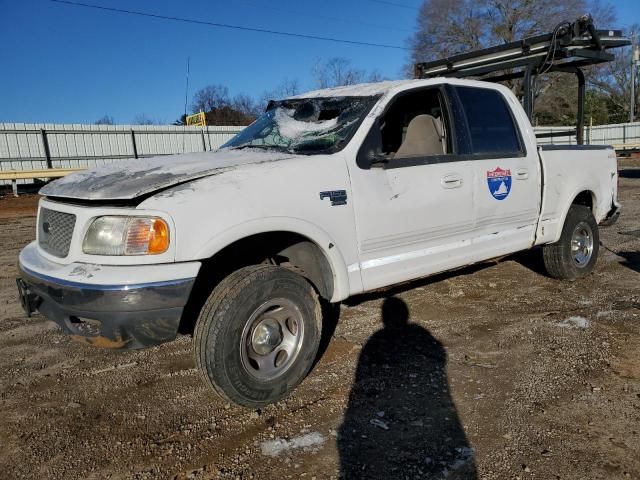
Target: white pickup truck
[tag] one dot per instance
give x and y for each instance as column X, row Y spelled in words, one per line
column 326, row 195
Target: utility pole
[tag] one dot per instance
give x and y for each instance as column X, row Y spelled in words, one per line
column 186, row 90
column 186, row 96
column 635, row 59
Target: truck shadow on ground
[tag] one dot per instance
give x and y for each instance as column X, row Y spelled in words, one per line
column 421, row 282
column 631, row 260
column 532, row 260
column 401, row 421
column 629, row 173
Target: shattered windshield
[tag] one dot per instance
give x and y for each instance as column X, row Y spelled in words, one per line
column 306, row 125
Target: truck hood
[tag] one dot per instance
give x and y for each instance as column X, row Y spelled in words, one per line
column 137, row 177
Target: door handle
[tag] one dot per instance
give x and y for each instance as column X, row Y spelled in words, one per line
column 452, row 180
column 522, row 174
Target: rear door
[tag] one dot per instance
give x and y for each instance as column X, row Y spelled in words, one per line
column 505, row 173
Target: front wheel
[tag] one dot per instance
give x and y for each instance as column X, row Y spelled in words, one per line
column 258, row 334
column 576, row 253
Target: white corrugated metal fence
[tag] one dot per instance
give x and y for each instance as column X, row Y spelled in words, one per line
column 616, row 134
column 25, row 146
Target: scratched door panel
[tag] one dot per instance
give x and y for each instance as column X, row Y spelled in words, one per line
column 410, row 224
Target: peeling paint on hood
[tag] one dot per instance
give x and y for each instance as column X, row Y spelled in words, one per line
column 136, row 177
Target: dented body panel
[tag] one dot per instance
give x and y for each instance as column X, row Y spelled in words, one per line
column 119, row 307
column 126, row 181
column 270, row 197
column 568, row 171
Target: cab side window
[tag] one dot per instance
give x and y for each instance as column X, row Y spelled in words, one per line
column 490, row 124
column 414, row 126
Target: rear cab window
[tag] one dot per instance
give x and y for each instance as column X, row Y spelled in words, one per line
column 489, row 122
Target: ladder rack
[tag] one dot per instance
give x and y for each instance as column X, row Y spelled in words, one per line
column 569, row 48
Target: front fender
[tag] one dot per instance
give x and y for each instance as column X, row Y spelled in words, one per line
column 299, row 226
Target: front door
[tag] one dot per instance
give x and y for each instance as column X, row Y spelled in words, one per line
column 413, row 197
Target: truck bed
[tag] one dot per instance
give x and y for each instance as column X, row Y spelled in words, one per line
column 569, row 171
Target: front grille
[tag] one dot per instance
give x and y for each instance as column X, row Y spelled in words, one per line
column 54, row 231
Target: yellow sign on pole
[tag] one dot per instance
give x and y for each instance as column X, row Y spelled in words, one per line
column 197, row 120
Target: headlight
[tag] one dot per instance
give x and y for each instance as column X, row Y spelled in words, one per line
column 115, row 235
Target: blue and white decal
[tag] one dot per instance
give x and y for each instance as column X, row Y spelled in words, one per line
column 499, row 182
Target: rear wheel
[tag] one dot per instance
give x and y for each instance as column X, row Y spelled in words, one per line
column 258, row 334
column 576, row 253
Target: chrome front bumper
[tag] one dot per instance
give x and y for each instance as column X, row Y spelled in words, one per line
column 116, row 315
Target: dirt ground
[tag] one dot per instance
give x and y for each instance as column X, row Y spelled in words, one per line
column 492, row 372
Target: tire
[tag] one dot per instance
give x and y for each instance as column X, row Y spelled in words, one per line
column 576, row 253
column 248, row 313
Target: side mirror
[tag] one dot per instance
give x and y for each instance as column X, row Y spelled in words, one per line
column 379, row 161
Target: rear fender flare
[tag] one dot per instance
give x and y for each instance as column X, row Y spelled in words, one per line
column 572, row 197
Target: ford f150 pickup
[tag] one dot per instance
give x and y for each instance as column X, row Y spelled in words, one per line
column 326, row 195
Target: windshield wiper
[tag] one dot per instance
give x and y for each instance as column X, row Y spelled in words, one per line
column 242, row 147
column 264, row 147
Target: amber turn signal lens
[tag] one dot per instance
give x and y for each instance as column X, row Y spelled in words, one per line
column 158, row 237
column 146, row 236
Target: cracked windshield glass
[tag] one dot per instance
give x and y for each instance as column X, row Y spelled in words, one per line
column 312, row 125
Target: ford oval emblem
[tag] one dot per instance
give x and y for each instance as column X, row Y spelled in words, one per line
column 46, row 227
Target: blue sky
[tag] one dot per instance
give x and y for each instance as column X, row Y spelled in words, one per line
column 65, row 64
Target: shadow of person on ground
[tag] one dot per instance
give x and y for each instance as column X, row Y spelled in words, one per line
column 401, row 421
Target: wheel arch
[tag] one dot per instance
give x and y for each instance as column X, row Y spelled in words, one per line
column 308, row 248
column 561, row 259
column 581, row 196
column 586, row 198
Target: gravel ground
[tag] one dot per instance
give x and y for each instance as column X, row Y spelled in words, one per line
column 495, row 372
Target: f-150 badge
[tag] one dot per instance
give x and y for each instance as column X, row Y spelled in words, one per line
column 337, row 197
column 499, row 182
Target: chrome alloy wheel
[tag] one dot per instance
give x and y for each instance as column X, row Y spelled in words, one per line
column 582, row 244
column 271, row 339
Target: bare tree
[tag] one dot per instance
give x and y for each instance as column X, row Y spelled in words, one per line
column 614, row 80
column 106, row 120
column 448, row 27
column 509, row 20
column 286, row 88
column 375, row 76
column 336, row 72
column 556, row 100
column 143, row 119
column 210, row 98
column 181, row 120
column 220, row 109
column 246, row 105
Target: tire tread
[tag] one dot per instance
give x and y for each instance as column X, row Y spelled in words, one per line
column 557, row 257
column 208, row 326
